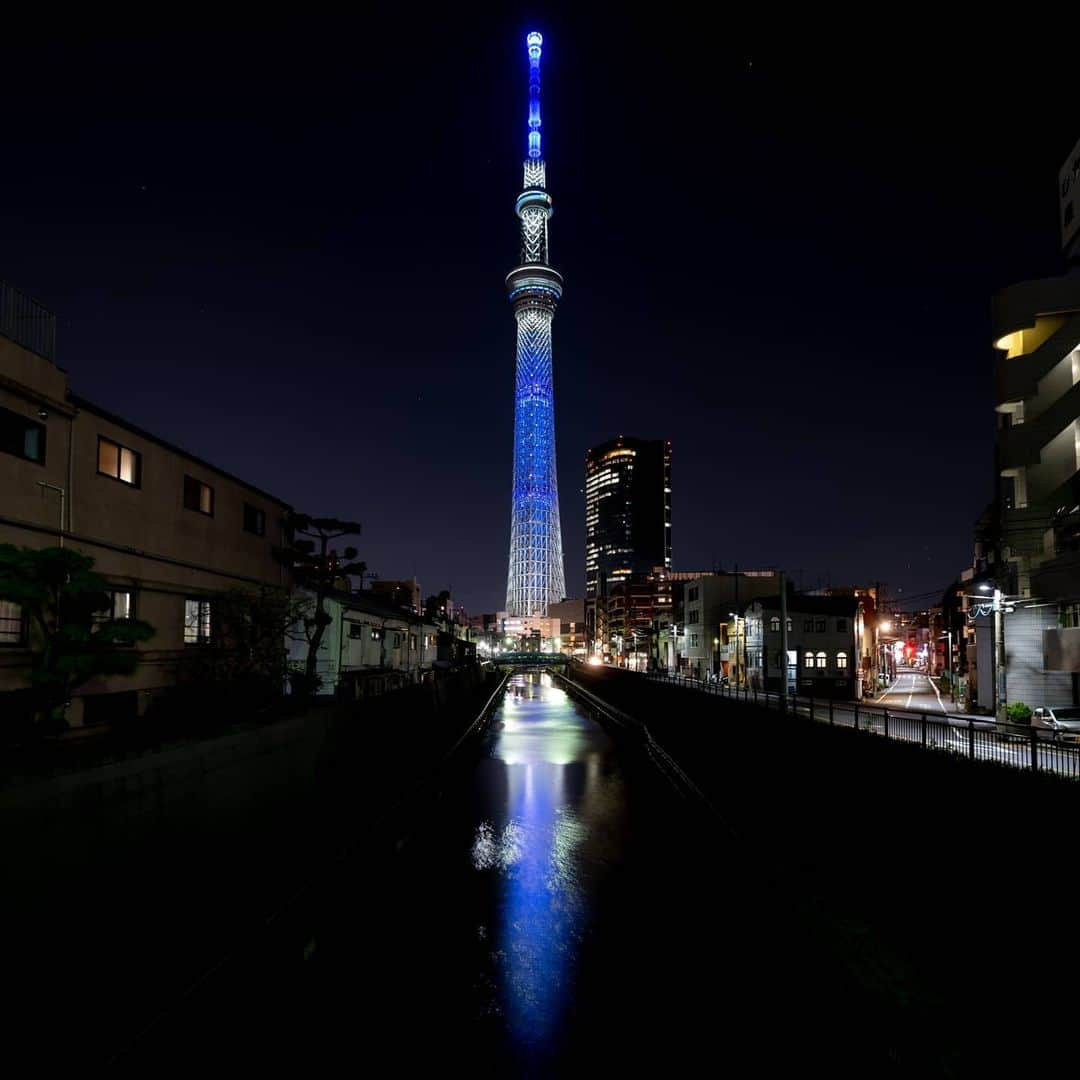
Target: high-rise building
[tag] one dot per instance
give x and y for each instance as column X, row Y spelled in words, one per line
column 535, row 578
column 627, row 511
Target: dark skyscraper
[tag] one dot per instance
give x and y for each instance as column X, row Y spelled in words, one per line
column 627, row 511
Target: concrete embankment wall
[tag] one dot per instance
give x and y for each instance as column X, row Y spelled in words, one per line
column 946, row 886
column 123, row 882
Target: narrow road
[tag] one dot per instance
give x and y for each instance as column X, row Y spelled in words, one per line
column 913, row 690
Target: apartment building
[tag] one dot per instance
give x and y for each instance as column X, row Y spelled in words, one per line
column 166, row 529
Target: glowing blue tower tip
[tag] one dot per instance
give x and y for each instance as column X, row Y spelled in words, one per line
column 533, row 41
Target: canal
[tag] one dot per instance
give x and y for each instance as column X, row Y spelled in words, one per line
column 560, row 905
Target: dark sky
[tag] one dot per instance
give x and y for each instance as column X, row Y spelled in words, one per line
column 283, row 248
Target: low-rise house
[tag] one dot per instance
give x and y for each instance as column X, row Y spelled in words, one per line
column 824, row 641
column 371, row 645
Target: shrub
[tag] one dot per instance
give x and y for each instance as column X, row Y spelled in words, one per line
column 1018, row 712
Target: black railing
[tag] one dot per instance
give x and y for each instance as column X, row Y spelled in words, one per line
column 26, row 322
column 981, row 739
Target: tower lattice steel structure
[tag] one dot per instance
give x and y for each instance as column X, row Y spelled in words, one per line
column 536, row 559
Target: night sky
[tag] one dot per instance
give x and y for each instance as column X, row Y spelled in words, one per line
column 284, row 248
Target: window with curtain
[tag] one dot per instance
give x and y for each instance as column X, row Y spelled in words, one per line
column 196, row 621
column 119, row 462
column 12, row 624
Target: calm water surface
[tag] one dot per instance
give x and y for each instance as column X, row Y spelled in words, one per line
column 557, row 908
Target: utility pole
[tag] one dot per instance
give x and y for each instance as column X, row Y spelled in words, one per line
column 783, row 642
column 999, row 660
column 952, row 677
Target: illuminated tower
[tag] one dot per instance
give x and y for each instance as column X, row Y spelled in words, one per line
column 536, row 560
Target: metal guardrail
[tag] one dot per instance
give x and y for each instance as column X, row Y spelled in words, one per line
column 1017, row 745
column 26, row 322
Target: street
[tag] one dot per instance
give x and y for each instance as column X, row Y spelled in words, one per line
column 913, row 690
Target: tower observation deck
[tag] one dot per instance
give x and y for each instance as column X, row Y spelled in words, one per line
column 535, row 578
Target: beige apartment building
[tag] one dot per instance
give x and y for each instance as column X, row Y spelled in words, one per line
column 166, row 529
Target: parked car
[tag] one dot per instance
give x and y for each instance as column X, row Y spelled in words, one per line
column 1062, row 723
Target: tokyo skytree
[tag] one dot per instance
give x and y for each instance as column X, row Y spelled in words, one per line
column 536, row 559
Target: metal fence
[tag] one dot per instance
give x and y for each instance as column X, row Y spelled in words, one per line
column 1017, row 745
column 26, row 322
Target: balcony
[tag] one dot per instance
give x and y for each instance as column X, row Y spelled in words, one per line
column 26, row 322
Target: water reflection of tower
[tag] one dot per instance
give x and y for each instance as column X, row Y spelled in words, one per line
column 552, row 810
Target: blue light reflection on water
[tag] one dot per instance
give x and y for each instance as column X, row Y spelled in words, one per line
column 546, row 833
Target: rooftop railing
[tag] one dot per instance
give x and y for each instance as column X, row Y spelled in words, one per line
column 26, row 322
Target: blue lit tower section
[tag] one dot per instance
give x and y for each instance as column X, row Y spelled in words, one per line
column 536, row 561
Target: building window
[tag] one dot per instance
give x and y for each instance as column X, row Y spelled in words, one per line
column 841, row 626
column 119, row 462
column 774, row 623
column 694, row 616
column 12, row 624
column 692, row 594
column 356, row 631
column 412, row 642
column 841, row 661
column 808, row 659
column 121, row 606
column 822, row 660
column 21, row 436
column 196, row 621
column 376, row 634
column 254, row 520
column 790, row 624
column 820, row 627
column 694, row 641
column 198, row 496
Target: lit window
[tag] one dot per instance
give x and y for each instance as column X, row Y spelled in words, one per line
column 376, row 634
column 774, row 623
column 22, row 437
column 841, row 660
column 121, row 606
column 198, row 496
column 822, row 660
column 808, row 659
column 12, row 624
column 119, row 462
column 196, row 621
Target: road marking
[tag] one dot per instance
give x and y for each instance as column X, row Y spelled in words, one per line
column 938, row 692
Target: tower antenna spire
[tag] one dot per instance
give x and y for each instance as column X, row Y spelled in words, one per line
column 534, row 42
